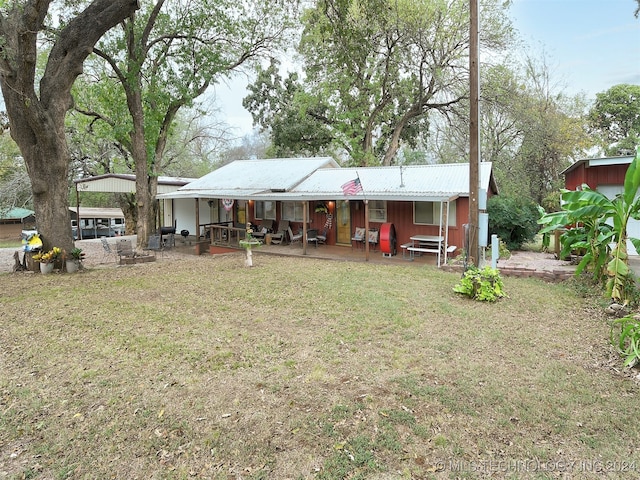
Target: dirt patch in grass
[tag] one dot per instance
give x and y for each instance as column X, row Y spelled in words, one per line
column 300, row 368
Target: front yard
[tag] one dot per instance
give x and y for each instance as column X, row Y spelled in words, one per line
column 301, row 368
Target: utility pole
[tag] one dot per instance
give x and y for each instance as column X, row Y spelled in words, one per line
column 474, row 136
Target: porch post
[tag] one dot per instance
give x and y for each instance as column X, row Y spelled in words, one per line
column 78, row 229
column 305, row 205
column 366, row 230
column 197, row 220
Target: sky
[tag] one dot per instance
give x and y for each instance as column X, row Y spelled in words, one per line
column 589, row 45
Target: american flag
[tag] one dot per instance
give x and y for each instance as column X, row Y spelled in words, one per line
column 352, row 187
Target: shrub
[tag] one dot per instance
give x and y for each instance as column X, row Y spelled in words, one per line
column 627, row 340
column 483, row 284
column 514, row 220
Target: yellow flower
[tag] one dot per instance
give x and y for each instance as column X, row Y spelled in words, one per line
column 48, row 257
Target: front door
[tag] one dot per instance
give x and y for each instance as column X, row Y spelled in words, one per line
column 343, row 222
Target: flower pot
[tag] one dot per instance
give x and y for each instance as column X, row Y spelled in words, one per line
column 72, row 266
column 46, row 267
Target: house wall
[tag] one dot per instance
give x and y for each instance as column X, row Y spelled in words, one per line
column 400, row 214
column 11, row 231
column 594, row 176
column 184, row 214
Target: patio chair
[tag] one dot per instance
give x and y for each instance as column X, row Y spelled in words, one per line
column 168, row 240
column 312, row 236
column 108, row 252
column 124, row 248
column 373, row 238
column 281, row 235
column 266, row 226
column 156, row 244
column 294, row 238
column 322, row 237
column 358, row 236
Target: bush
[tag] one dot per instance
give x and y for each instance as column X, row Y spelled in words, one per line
column 484, row 284
column 513, row 220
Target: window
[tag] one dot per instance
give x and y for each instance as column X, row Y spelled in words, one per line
column 293, row 211
column 377, row 211
column 428, row 213
column 265, row 210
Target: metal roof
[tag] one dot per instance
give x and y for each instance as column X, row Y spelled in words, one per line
column 439, row 182
column 16, row 213
column 599, row 162
column 250, row 180
column 250, row 177
column 126, row 183
column 98, row 212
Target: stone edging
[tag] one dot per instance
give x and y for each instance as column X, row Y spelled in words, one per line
column 522, row 272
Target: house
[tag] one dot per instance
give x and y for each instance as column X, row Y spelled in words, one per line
column 126, row 183
column 14, row 221
column 603, row 174
column 606, row 175
column 414, row 199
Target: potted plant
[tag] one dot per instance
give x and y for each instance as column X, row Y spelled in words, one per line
column 47, row 259
column 321, row 208
column 74, row 260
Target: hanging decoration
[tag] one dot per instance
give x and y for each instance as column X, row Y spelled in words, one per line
column 328, row 222
column 227, row 203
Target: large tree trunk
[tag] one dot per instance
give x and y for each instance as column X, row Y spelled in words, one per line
column 36, row 119
column 127, row 204
column 146, row 183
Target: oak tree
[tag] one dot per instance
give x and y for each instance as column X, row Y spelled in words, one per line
column 374, row 72
column 158, row 62
column 37, row 106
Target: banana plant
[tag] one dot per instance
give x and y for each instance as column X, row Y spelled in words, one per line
column 589, row 232
column 593, row 210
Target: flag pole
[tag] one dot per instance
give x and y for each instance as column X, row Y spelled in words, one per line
column 350, row 189
column 366, row 220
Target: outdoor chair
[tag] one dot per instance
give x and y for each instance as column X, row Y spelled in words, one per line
column 294, row 238
column 156, row 245
column 312, row 236
column 322, row 237
column 266, row 226
column 281, row 235
column 373, row 238
column 108, row 252
column 358, row 236
column 168, row 240
column 124, row 248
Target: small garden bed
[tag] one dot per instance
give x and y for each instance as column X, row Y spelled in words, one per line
column 137, row 259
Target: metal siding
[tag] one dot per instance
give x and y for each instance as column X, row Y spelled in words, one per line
column 595, row 176
column 126, row 183
column 607, row 175
column 575, row 178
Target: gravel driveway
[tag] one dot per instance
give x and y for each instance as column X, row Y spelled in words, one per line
column 94, row 253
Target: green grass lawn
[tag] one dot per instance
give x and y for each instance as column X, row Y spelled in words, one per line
column 299, row 368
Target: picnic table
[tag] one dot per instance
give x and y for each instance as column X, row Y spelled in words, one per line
column 425, row 244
